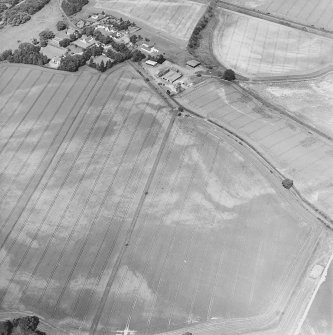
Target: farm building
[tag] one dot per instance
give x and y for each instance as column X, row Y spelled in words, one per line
column 151, row 62
column 148, row 48
column 85, row 42
column 162, row 72
column 193, row 63
column 172, row 76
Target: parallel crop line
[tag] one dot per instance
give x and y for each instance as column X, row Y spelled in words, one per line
column 131, row 229
column 26, row 187
column 121, row 201
column 129, row 180
column 49, row 164
column 12, row 93
column 68, row 204
column 12, row 114
column 69, row 237
column 22, row 168
column 26, row 114
column 162, row 171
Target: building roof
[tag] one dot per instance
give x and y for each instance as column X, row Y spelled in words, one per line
column 172, row 76
column 75, row 49
column 51, row 51
column 193, row 63
column 84, row 42
column 151, row 62
column 99, row 59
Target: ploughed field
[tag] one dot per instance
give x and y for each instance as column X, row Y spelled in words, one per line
column 173, row 18
column 259, row 48
column 317, row 12
column 115, row 215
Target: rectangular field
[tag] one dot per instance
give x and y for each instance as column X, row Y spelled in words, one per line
column 316, row 12
column 254, row 47
column 174, row 18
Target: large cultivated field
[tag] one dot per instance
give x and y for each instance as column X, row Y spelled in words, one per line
column 173, row 18
column 317, row 12
column 115, row 215
column 255, row 47
column 310, row 101
column 293, row 149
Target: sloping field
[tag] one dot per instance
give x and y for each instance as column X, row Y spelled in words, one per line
column 298, row 154
column 114, row 216
column 254, row 47
column 317, row 12
column 310, row 101
column 174, row 18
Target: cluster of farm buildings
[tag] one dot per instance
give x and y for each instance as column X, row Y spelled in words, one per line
column 107, row 25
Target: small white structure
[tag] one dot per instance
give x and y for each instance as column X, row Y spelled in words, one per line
column 151, row 62
column 316, row 271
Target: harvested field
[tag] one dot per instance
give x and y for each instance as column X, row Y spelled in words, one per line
column 254, row 47
column 114, row 216
column 173, row 18
column 46, row 18
column 310, row 101
column 317, row 12
column 296, row 152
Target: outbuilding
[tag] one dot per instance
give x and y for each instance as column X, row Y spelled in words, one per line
column 151, row 62
column 193, row 63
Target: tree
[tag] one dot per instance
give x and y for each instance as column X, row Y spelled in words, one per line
column 229, row 75
column 65, row 42
column 134, row 39
column 43, row 43
column 102, row 66
column 61, row 25
column 137, row 56
column 46, row 34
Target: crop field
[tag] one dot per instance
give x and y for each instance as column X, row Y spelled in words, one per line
column 254, row 47
column 174, row 18
column 116, row 216
column 298, row 154
column 318, row 13
column 310, row 101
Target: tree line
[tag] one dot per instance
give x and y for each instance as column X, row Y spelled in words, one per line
column 71, row 7
column 21, row 326
column 20, row 13
column 26, row 53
